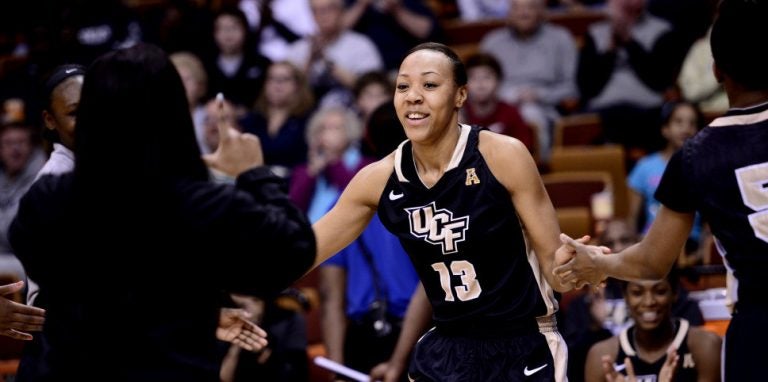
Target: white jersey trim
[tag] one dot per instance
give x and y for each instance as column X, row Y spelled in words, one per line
column 629, row 350
column 458, row 153
column 736, row 120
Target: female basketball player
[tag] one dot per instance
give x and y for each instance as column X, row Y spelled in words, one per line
column 468, row 206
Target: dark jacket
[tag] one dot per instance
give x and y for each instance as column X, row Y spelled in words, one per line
column 133, row 290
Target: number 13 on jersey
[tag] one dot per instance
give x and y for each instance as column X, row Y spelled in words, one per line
column 469, row 287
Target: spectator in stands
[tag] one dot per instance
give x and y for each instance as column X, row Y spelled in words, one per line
column 367, row 286
column 334, row 57
column 294, row 15
column 483, row 106
column 697, row 82
column 680, row 121
column 365, row 291
column 20, row 160
column 276, row 24
column 235, row 68
column 195, row 81
column 626, row 64
column 476, row 10
column 539, row 65
column 371, row 90
column 175, row 25
column 658, row 345
column 393, row 25
column 89, row 28
column 689, row 18
column 279, row 117
column 334, row 157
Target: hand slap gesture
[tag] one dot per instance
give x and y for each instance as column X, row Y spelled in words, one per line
column 237, row 152
column 584, row 268
column 18, row 319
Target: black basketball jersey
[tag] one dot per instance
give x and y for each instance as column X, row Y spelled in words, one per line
column 466, row 242
column 723, row 173
column 649, row 372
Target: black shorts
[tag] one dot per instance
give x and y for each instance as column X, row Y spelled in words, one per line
column 744, row 353
column 530, row 357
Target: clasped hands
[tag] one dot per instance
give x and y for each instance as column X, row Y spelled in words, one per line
column 578, row 263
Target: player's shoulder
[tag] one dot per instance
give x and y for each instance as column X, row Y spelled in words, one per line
column 372, row 178
column 608, row 346
column 493, row 144
column 381, row 168
column 699, row 338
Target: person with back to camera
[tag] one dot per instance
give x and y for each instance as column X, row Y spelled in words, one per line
column 721, row 172
column 454, row 195
column 136, row 225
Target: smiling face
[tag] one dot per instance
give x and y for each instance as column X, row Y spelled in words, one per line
column 649, row 302
column 427, row 98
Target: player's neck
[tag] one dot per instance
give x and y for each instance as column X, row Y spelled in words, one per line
column 739, row 97
column 655, row 339
column 432, row 159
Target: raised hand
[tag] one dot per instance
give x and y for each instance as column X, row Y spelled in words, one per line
column 613, row 375
column 237, row 152
column 17, row 319
column 235, row 327
column 667, row 372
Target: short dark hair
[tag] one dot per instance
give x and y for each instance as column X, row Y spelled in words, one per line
column 485, row 59
column 459, row 71
column 735, row 43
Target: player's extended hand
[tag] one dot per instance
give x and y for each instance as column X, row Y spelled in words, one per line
column 17, row 319
column 566, row 253
column 236, row 327
column 237, row 152
column 386, row 372
column 583, row 268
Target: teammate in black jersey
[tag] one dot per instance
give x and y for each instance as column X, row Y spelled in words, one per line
column 722, row 173
column 470, row 209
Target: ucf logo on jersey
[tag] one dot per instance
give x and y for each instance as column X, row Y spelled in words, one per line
column 437, row 226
